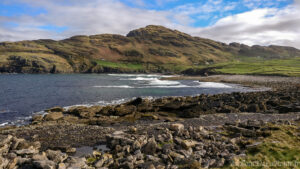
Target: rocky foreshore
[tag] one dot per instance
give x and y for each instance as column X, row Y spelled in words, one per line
column 205, row 131
column 175, row 108
column 162, row 146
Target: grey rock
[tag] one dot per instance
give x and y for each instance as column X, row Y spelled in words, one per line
column 152, row 158
column 177, row 127
column 26, row 152
column 45, row 164
column 56, row 156
column 150, row 147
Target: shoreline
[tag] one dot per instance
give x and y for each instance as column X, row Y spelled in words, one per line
column 170, row 131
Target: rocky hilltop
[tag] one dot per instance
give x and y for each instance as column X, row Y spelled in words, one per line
column 149, row 49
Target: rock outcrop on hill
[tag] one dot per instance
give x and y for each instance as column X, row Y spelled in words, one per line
column 149, row 49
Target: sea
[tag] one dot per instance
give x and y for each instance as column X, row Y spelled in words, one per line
column 24, row 95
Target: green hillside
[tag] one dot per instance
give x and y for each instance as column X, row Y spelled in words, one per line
column 154, row 49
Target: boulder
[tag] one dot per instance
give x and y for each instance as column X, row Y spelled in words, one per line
column 55, row 109
column 56, row 156
column 253, row 108
column 37, row 118
column 75, row 162
column 135, row 102
column 61, row 166
column 150, row 147
column 84, row 112
column 12, row 163
column 188, row 144
column 6, row 140
column 53, row 116
column 123, row 110
column 178, row 127
column 175, row 155
column 24, row 152
column 3, row 162
column 45, row 164
column 40, row 157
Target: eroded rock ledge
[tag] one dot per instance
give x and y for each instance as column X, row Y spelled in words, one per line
column 175, row 108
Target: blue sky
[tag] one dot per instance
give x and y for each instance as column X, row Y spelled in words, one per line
column 58, row 19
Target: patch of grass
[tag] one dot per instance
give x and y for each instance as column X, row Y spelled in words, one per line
column 283, row 67
column 280, row 150
column 133, row 66
column 164, row 143
column 91, row 160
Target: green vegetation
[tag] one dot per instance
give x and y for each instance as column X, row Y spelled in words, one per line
column 91, row 160
column 280, row 150
column 164, row 143
column 131, row 66
column 153, row 49
column 283, row 67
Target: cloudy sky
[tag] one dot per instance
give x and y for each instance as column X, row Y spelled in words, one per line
column 251, row 22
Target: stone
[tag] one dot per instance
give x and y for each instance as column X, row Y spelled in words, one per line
column 177, row 127
column 160, row 167
column 132, row 129
column 188, row 144
column 96, row 153
column 6, row 140
column 45, row 164
column 107, row 156
column 53, row 116
column 242, row 131
column 56, row 156
column 99, row 163
column 76, row 162
column 70, row 150
column 176, row 155
column 22, row 161
column 15, row 143
column 149, row 117
column 150, row 147
column 136, row 101
column 151, row 166
column 26, row 152
column 55, row 109
column 40, row 157
column 12, row 163
column 37, row 118
column 4, row 149
column 127, row 165
column 70, row 118
column 3, row 162
column 220, row 163
column 152, row 158
column 136, row 145
column 253, row 108
column 123, row 110
column 61, row 166
column 11, row 155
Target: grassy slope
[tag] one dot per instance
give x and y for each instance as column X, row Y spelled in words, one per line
column 149, row 49
column 283, row 67
column 281, row 147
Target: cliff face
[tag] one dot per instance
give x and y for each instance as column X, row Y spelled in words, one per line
column 149, row 49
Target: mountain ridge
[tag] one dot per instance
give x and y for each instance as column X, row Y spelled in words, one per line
column 152, row 49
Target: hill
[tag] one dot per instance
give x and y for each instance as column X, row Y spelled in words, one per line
column 154, row 49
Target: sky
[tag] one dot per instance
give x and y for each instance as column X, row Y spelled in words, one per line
column 261, row 22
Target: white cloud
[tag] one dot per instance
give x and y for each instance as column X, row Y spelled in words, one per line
column 259, row 26
column 93, row 17
column 262, row 26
